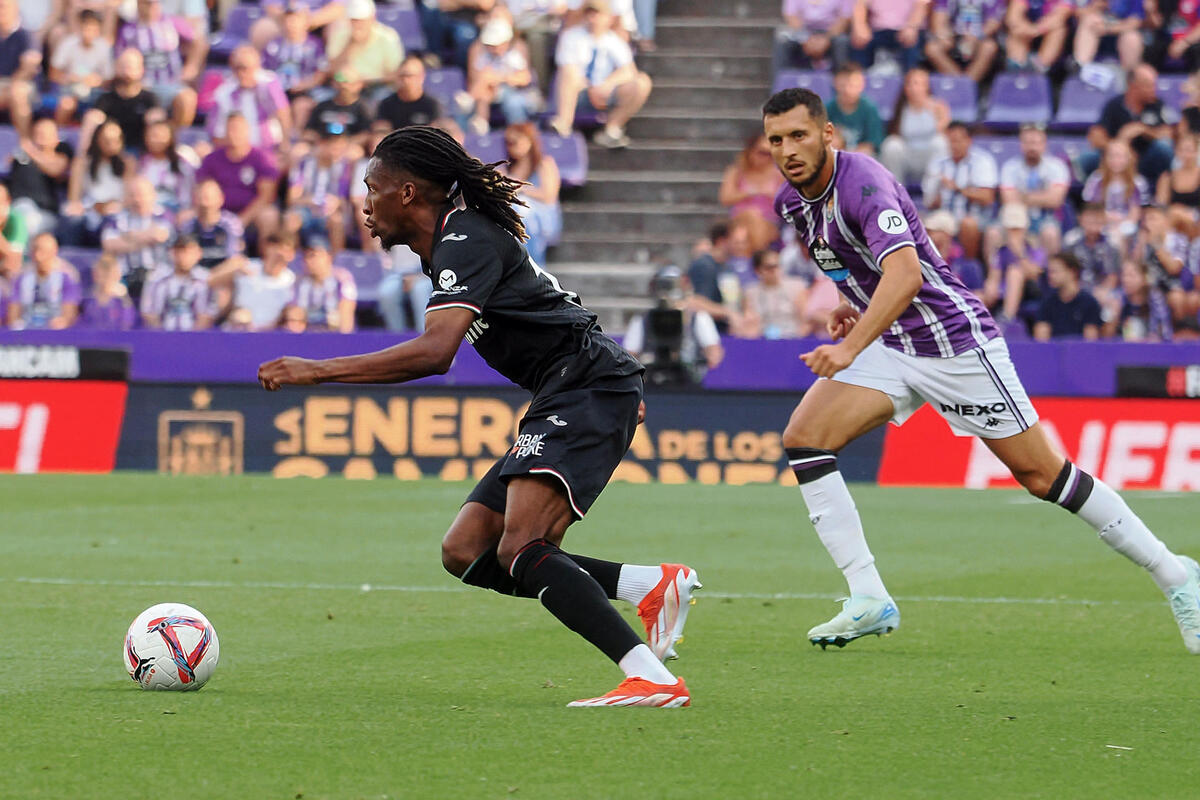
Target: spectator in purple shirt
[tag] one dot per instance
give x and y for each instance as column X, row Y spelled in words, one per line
column 326, row 293
column 48, row 295
column 162, row 41
column 218, row 231
column 108, row 307
column 258, row 95
column 1013, row 287
column 815, row 34
column 247, row 175
column 20, row 60
column 178, row 300
column 962, row 36
column 319, row 190
column 1121, row 190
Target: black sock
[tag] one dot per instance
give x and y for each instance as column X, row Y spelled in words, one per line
column 574, row 597
column 486, row 573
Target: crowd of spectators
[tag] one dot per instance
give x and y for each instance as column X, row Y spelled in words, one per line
column 164, row 174
column 1104, row 244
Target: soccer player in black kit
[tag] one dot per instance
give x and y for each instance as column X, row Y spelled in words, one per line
column 458, row 215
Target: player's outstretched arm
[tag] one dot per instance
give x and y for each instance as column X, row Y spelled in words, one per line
column 899, row 285
column 431, row 353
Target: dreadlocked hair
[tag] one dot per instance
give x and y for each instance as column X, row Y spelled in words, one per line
column 432, row 154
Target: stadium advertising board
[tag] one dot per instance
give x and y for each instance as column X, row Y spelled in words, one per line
column 60, row 425
column 452, row 433
column 1130, row 444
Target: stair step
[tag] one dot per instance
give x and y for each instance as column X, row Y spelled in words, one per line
column 692, row 124
column 599, row 279
column 623, row 247
column 725, row 9
column 737, row 97
column 649, row 218
column 683, row 63
column 667, row 154
column 717, row 35
column 647, row 187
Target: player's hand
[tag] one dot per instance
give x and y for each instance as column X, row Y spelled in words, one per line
column 828, row 359
column 287, row 371
column 841, row 321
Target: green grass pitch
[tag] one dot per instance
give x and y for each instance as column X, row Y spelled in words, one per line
column 1032, row 661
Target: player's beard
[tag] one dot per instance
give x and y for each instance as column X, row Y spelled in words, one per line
column 810, row 184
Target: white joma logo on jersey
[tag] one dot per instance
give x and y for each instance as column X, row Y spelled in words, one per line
column 454, row 237
column 554, row 420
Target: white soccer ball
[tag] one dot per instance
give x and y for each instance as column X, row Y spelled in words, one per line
column 171, row 646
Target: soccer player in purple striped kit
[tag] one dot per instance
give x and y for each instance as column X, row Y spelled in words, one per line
column 908, row 332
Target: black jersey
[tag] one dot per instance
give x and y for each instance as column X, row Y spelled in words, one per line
column 528, row 328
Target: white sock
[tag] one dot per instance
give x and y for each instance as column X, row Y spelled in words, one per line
column 832, row 512
column 635, row 582
column 641, row 663
column 1124, row 531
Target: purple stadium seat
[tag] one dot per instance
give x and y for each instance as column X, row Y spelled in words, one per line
column 1170, row 90
column 1079, row 105
column 367, row 269
column 883, row 91
column 82, row 259
column 571, row 154
column 488, row 148
column 1068, row 148
column 959, row 92
column 819, row 82
column 1019, row 97
column 1002, row 148
column 235, row 30
column 402, row 17
column 192, row 136
column 443, row 84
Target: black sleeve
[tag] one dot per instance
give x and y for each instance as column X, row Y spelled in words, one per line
column 465, row 272
column 1111, row 118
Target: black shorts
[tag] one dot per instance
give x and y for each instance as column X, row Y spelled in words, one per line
column 576, row 436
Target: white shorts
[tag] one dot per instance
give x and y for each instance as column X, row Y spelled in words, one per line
column 977, row 392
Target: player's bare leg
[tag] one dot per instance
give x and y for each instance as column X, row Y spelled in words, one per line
column 1047, row 474
column 536, row 516
column 831, row 415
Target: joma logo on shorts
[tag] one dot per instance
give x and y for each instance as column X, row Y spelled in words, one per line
column 974, row 409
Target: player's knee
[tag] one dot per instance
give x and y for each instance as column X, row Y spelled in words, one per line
column 1036, row 481
column 801, row 434
column 456, row 554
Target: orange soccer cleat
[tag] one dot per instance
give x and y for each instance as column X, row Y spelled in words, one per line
column 664, row 609
column 641, row 692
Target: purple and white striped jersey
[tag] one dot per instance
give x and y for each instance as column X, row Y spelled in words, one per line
column 320, row 299
column 177, row 300
column 260, row 106
column 292, row 62
column 319, row 181
column 42, row 298
column 864, row 215
column 159, row 41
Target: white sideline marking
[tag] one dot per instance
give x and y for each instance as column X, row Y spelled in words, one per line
column 383, row 587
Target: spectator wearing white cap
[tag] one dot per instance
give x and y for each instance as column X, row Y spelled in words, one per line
column 373, row 50
column 499, row 73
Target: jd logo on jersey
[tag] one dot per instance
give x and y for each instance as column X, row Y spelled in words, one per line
column 891, row 221
column 827, row 260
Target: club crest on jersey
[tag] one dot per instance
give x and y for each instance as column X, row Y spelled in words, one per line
column 448, row 280
column 827, row 260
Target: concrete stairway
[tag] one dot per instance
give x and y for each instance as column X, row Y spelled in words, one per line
column 648, row 204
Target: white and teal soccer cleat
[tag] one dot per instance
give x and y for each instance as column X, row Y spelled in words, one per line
column 860, row 616
column 1185, row 604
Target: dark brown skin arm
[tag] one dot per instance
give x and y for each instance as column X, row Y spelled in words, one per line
column 431, row 353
